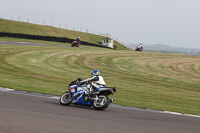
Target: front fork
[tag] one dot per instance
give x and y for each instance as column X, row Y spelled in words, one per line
column 69, row 94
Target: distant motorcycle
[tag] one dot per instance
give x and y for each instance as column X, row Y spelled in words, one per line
column 139, row 48
column 75, row 44
column 80, row 95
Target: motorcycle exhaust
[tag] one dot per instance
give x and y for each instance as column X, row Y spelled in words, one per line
column 111, row 100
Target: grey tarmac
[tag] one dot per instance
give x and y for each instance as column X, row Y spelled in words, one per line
column 22, row 113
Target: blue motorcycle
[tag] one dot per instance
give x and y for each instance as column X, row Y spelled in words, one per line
column 79, row 94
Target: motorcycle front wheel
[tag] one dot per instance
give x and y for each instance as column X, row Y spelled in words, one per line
column 102, row 103
column 66, row 98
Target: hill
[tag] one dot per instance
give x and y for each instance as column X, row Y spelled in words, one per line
column 34, row 29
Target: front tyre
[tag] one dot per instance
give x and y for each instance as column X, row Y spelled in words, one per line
column 66, row 98
column 102, row 103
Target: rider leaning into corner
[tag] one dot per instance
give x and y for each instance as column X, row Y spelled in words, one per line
column 77, row 40
column 97, row 80
column 139, row 48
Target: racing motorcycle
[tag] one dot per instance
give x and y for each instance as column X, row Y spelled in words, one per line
column 139, row 48
column 79, row 94
column 75, row 44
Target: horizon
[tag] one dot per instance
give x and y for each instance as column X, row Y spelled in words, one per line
column 164, row 45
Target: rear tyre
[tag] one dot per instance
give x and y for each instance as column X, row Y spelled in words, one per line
column 102, row 103
column 66, row 98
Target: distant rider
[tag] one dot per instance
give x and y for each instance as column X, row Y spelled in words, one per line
column 97, row 80
column 139, row 48
column 77, row 41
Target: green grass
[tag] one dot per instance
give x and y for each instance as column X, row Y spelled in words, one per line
column 33, row 29
column 146, row 80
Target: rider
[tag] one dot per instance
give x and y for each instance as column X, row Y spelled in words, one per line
column 140, row 47
column 77, row 41
column 98, row 81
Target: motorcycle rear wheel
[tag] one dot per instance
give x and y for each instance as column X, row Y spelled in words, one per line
column 66, row 98
column 102, row 103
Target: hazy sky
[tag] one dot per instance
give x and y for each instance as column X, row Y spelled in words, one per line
column 171, row 22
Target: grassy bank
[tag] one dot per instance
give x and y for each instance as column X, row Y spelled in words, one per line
column 146, row 80
column 34, row 29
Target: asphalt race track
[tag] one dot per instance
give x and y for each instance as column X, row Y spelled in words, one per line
column 20, row 113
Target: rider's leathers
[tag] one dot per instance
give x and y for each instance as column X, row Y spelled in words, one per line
column 98, row 81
